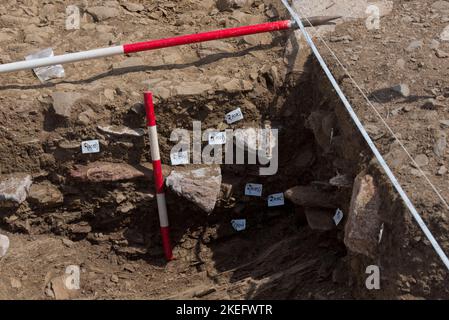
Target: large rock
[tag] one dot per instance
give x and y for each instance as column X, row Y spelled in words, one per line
column 101, row 13
column 122, row 131
column 192, row 88
column 110, row 171
column 223, row 5
column 363, row 224
column 106, row 171
column 308, row 196
column 45, row 195
column 200, row 186
column 4, row 245
column 14, row 188
column 63, row 102
column 320, row 219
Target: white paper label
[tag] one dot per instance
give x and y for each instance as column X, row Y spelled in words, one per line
column 234, row 116
column 276, row 199
column 217, row 138
column 91, row 146
column 253, row 189
column 178, row 158
column 239, row 224
column 338, row 216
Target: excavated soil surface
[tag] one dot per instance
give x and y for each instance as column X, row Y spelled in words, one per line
column 110, row 229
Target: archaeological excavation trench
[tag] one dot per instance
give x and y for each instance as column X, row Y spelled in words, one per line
column 103, row 205
column 108, row 198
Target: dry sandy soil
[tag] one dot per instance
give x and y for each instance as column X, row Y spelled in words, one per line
column 108, row 225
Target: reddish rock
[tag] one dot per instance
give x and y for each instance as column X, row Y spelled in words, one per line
column 105, row 171
column 308, row 196
column 110, row 172
column 363, row 226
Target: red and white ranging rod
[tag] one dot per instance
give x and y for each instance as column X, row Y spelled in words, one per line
column 160, row 43
column 158, row 176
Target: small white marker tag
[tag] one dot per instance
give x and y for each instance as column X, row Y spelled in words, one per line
column 91, row 146
column 239, row 224
column 253, row 189
column 234, row 116
column 178, row 158
column 217, row 138
column 338, row 217
column 276, row 199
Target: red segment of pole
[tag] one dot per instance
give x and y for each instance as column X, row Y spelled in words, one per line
column 158, row 176
column 207, row 36
column 149, row 108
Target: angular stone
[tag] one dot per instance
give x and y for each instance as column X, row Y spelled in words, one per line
column 320, row 219
column 110, row 171
column 441, row 54
column 258, row 39
column 363, row 224
column 58, row 290
column 63, row 102
column 45, row 194
column 133, row 7
column 104, row 171
column 402, row 89
column 4, row 245
column 101, row 13
column 192, row 88
column 308, row 196
column 122, row 131
column 214, row 47
column 201, row 186
column 439, row 148
column 14, row 188
column 444, row 35
column 224, row 5
column 236, row 85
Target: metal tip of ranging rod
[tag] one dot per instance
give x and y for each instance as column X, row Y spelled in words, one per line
column 316, row 21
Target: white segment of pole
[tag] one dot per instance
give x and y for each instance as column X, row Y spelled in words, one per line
column 62, row 59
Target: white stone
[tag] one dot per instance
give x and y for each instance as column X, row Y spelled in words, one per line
column 4, row 245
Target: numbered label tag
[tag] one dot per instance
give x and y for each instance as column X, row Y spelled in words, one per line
column 217, row 138
column 234, row 116
column 276, row 199
column 239, row 224
column 91, row 146
column 178, row 158
column 253, row 189
column 338, row 216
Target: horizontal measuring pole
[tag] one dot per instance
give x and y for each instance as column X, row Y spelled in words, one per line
column 158, row 44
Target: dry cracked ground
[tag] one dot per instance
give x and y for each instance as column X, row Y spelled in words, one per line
column 62, row 210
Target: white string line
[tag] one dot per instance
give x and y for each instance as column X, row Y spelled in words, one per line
column 381, row 118
column 368, row 140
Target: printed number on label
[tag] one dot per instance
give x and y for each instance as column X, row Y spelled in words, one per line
column 234, row 116
column 276, row 199
column 253, row 189
column 239, row 224
column 217, row 138
column 91, row 146
column 178, row 158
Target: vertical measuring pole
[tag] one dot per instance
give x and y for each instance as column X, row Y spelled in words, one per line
column 158, row 176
